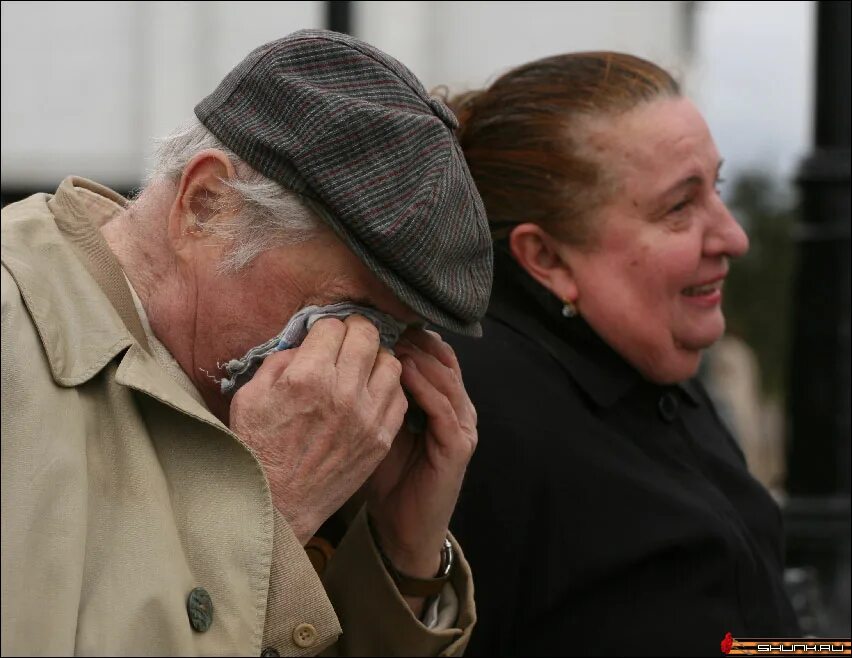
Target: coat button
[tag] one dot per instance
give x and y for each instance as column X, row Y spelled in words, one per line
column 269, row 652
column 668, row 407
column 199, row 606
column 304, row 635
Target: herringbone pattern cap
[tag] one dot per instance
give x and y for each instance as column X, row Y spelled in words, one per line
column 355, row 133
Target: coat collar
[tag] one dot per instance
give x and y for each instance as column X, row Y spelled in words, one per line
column 77, row 295
column 522, row 304
column 81, row 207
column 51, row 251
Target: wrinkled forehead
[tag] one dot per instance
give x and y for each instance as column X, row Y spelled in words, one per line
column 651, row 137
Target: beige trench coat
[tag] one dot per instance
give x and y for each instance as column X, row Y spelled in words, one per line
column 121, row 492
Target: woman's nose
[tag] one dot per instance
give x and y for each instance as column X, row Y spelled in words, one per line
column 725, row 237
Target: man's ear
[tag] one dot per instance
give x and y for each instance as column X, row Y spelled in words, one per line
column 200, row 194
column 543, row 257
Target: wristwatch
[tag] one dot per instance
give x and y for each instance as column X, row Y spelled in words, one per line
column 411, row 586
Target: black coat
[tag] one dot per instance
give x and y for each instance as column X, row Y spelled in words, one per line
column 603, row 514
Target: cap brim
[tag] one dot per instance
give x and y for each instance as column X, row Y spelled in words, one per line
column 406, row 293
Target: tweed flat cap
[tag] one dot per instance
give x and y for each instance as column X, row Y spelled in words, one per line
column 354, row 132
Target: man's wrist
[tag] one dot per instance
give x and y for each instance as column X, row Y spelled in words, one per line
column 416, row 576
column 425, row 566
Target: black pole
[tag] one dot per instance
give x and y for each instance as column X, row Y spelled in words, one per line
column 818, row 512
column 339, row 16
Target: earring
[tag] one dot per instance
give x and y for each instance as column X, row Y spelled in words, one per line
column 568, row 309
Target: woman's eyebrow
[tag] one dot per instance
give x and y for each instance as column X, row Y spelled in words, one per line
column 694, row 179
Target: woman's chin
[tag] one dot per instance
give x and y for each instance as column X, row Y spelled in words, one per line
column 677, row 366
column 702, row 336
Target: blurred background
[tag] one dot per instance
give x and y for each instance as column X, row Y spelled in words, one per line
column 87, row 85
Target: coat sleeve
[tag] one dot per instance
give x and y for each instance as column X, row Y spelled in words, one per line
column 44, row 493
column 375, row 618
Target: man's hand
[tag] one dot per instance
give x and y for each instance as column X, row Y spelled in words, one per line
column 320, row 418
column 413, row 493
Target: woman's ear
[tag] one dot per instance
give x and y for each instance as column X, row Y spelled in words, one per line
column 200, row 193
column 545, row 259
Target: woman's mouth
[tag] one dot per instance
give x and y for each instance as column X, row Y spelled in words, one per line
column 706, row 289
column 705, row 294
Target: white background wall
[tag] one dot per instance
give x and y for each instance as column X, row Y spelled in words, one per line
column 464, row 44
column 85, row 85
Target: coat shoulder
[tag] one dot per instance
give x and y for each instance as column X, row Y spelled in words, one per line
column 508, row 373
column 44, row 490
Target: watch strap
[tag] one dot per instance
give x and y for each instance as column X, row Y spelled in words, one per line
column 421, row 587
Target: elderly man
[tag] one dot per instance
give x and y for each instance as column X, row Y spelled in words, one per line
column 169, row 452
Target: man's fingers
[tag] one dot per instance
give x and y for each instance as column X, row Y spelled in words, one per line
column 432, row 343
column 444, row 379
column 384, row 378
column 395, row 414
column 273, row 367
column 358, row 352
column 322, row 344
column 438, row 409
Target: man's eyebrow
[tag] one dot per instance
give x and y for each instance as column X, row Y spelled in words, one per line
column 337, row 294
column 363, row 301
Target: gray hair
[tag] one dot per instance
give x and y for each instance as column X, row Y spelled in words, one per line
column 269, row 214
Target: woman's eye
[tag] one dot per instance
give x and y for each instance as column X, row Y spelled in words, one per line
column 680, row 206
column 719, row 182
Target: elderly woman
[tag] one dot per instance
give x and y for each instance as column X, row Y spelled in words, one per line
column 607, row 510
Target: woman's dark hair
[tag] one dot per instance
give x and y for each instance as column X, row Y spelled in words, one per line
column 524, row 141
